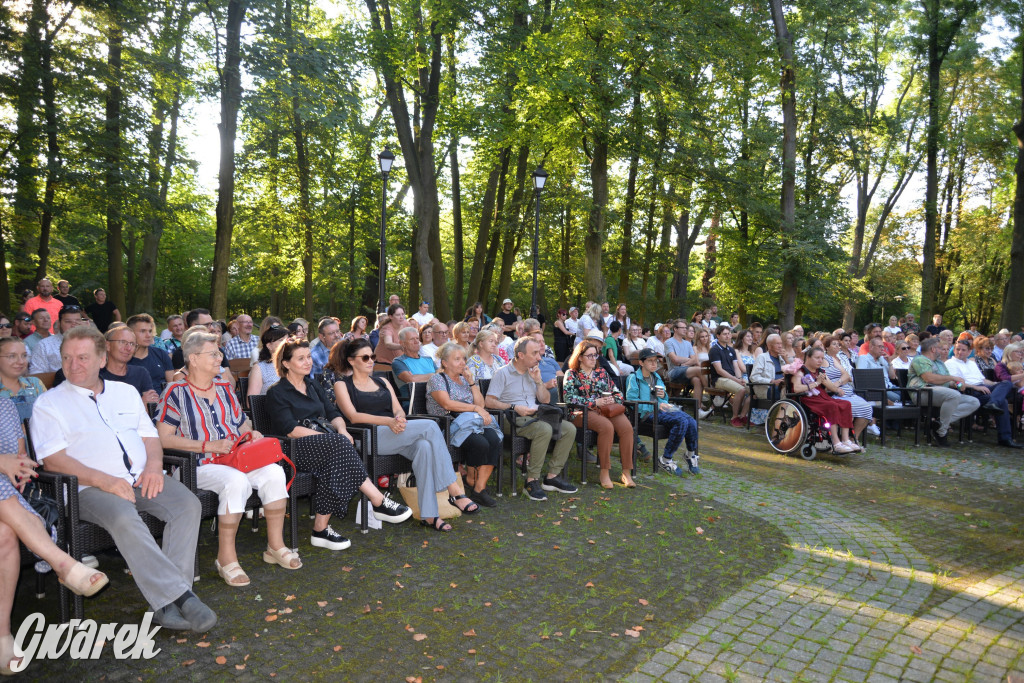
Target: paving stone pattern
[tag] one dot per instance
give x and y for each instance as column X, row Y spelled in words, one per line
column 842, row 609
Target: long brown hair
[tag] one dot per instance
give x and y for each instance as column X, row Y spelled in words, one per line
column 581, row 348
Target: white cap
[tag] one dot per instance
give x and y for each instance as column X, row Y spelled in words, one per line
column 506, row 301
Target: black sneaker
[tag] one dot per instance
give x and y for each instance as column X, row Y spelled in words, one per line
column 558, row 484
column 483, row 497
column 329, row 539
column 940, row 439
column 391, row 511
column 535, row 491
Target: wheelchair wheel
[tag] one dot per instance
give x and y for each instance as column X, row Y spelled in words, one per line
column 808, row 452
column 786, row 427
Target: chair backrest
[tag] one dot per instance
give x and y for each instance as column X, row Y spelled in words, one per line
column 243, row 392
column 239, row 367
column 869, row 379
column 260, row 414
column 561, row 388
column 46, row 378
column 484, row 383
column 903, row 376
column 705, row 372
column 418, row 398
column 381, row 368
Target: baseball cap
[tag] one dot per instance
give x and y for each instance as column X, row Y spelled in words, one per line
column 506, row 301
column 658, row 326
column 648, row 353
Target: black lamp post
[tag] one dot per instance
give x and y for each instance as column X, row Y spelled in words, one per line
column 539, row 176
column 385, row 159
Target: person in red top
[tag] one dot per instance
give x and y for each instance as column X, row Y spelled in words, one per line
column 44, row 299
column 870, row 332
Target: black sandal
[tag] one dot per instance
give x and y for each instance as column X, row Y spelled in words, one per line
column 470, row 509
column 444, row 527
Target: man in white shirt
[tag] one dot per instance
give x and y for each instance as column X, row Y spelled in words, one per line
column 423, row 316
column 46, row 355
column 991, row 395
column 607, row 315
column 100, row 432
column 657, row 340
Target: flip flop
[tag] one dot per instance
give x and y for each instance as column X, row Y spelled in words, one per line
column 78, row 580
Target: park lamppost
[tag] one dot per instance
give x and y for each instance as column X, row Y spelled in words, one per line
column 385, row 159
column 539, row 176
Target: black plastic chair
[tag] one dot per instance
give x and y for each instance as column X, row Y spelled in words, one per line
column 870, row 385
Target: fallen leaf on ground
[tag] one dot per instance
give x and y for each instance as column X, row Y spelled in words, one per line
column 188, row 662
column 558, row 634
column 916, row 650
column 321, row 603
column 202, row 644
column 487, row 604
column 346, row 569
column 589, row 584
column 643, row 602
column 179, row 641
column 699, row 530
column 632, row 634
column 419, row 636
column 439, row 609
column 329, row 614
column 366, row 609
column 519, row 533
column 337, row 648
column 290, row 597
column 240, row 667
column 286, row 610
column 221, row 660
column 410, row 629
column 470, row 633
column 271, row 617
column 591, row 541
column 453, row 585
column 406, row 566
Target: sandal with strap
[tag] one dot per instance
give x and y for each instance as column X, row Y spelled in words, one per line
column 470, row 509
column 79, row 580
column 7, row 656
column 233, row 574
column 437, row 525
column 283, row 558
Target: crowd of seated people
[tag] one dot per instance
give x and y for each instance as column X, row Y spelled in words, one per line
column 105, row 371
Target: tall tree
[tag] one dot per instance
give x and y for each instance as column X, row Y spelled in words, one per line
column 940, row 25
column 230, row 76
column 1012, row 317
column 113, row 182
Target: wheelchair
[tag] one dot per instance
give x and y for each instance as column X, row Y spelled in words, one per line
column 791, row 427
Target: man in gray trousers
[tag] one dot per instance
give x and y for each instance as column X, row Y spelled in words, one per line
column 100, row 432
column 519, row 387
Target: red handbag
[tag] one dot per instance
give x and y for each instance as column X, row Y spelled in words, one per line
column 247, row 455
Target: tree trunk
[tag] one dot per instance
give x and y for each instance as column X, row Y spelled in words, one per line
column 26, row 150
column 667, row 211
column 512, row 227
column 112, row 176
column 52, row 158
column 483, row 234
column 707, row 288
column 1012, row 317
column 787, row 298
column 492, row 249
column 630, row 203
column 230, row 100
column 457, row 302
column 593, row 279
column 565, row 260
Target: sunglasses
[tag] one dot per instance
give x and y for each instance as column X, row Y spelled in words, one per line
column 72, row 309
column 366, row 356
column 4, row 326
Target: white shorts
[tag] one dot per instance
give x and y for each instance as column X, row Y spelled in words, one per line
column 234, row 487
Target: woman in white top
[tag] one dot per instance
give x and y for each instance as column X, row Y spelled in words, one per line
column 623, row 318
column 904, row 354
column 588, row 322
column 893, row 327
column 633, row 342
column 701, row 341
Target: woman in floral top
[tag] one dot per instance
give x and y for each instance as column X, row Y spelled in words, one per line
column 485, row 361
column 22, row 390
column 588, row 384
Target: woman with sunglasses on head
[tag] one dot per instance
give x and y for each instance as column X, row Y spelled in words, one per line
column 22, row 389
column 299, row 409
column 368, row 400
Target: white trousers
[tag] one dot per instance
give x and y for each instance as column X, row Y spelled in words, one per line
column 233, row 487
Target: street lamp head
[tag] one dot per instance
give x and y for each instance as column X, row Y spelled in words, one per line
column 539, row 176
column 385, row 159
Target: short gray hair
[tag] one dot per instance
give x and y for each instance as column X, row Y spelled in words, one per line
column 193, row 342
column 929, row 343
column 85, row 332
column 530, row 324
column 406, row 332
column 520, row 347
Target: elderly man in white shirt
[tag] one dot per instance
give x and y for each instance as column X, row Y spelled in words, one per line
column 992, row 395
column 100, row 432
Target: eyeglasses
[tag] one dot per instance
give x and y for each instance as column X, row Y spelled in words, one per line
column 212, row 324
column 4, row 326
column 366, row 356
column 11, row 357
column 215, row 354
column 589, row 355
column 125, row 343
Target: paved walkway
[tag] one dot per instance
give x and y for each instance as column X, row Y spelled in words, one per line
column 843, row 608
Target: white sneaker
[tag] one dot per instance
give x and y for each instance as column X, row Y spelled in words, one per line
column 854, row 447
column 872, row 430
column 668, row 464
column 841, row 448
column 718, row 401
column 703, row 413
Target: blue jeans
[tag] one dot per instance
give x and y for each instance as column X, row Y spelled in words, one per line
column 681, row 428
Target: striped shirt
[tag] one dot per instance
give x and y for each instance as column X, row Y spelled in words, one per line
column 202, row 419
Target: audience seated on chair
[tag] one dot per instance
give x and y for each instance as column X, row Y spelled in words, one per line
column 929, row 370
column 647, row 385
column 46, row 356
